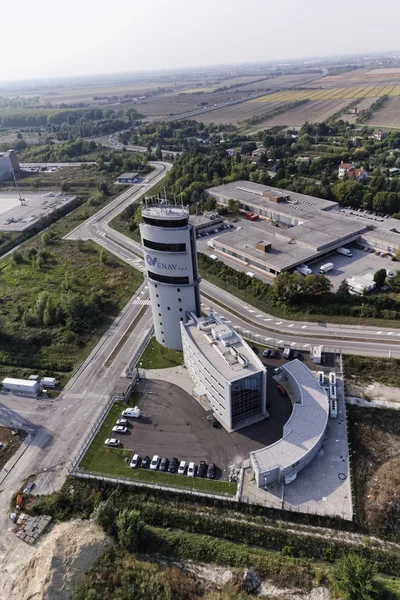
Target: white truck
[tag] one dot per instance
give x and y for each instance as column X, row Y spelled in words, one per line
column 325, row 268
column 211, row 243
column 251, row 274
column 214, row 257
column 344, row 251
column 304, row 270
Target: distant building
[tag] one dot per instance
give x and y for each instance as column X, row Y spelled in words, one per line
column 8, row 162
column 394, row 171
column 358, row 284
column 258, row 152
column 353, row 110
column 303, row 159
column 379, row 136
column 127, row 178
column 344, row 168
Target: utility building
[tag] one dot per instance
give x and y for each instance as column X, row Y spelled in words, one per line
column 169, row 246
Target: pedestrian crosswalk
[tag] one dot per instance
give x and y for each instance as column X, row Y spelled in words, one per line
column 140, row 302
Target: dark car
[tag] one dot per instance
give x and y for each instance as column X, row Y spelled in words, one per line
column 213, row 421
column 163, row 464
column 211, row 471
column 273, row 354
column 173, row 465
column 266, row 353
column 145, row 462
column 296, row 354
column 201, row 469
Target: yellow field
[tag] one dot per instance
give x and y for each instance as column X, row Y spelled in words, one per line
column 331, row 94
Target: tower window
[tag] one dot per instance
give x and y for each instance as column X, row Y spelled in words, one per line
column 180, row 310
column 178, row 289
column 158, row 305
column 179, row 299
column 168, row 308
column 159, row 314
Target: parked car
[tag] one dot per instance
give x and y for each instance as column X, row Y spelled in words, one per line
column 122, row 422
column 277, row 370
column 296, row 354
column 28, row 488
column 131, row 412
column 287, row 353
column 191, row 469
column 119, row 429
column 145, row 462
column 213, row 421
column 182, row 467
column 202, row 469
column 211, row 471
column 155, row 461
column 113, row 442
column 267, row 353
column 281, row 390
column 164, row 464
column 273, row 354
column 134, row 461
column 173, row 465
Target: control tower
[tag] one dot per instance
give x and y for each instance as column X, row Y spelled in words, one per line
column 169, row 246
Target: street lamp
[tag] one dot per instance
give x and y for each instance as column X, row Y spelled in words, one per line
column 359, row 323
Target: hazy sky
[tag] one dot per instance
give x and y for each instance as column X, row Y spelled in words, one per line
column 44, row 38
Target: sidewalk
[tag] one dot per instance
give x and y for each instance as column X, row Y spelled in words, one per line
column 177, row 375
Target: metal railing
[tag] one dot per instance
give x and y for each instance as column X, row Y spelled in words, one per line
column 130, row 369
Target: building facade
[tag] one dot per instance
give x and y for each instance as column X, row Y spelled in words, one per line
column 225, row 371
column 171, row 272
column 8, row 162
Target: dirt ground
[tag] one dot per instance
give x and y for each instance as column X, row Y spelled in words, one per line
column 377, row 393
column 10, row 442
column 388, row 115
column 375, row 447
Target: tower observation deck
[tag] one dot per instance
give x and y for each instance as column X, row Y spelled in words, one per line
column 171, row 272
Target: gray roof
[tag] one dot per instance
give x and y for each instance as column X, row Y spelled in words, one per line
column 305, row 427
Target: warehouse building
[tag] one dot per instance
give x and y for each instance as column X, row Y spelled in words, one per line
column 8, row 163
column 303, row 433
column 294, row 229
column 225, row 371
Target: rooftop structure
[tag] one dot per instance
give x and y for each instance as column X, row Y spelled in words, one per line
column 303, row 433
column 221, row 363
column 127, row 178
column 18, row 214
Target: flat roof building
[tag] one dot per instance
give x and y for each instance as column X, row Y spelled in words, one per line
column 127, row 178
column 303, row 433
column 225, row 370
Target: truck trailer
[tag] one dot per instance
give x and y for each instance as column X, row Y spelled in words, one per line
column 48, row 382
column 20, row 386
column 304, row 270
column 325, row 268
column 344, row 251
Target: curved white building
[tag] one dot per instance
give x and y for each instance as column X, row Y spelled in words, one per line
column 225, row 370
column 303, row 433
column 169, row 246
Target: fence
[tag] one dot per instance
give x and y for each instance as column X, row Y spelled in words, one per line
column 80, row 474
column 343, row 394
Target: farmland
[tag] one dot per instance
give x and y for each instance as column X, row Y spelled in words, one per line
column 388, row 115
column 349, row 93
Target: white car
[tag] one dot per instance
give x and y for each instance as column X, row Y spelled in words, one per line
column 122, row 422
column 155, row 461
column 277, row 370
column 131, row 412
column 112, row 442
column 182, row 467
column 191, row 469
column 119, row 429
column 134, row 461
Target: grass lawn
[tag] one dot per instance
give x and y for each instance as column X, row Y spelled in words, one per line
column 155, row 356
column 363, row 369
column 113, row 462
column 71, row 270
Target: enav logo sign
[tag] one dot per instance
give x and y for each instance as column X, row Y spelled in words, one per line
column 153, row 261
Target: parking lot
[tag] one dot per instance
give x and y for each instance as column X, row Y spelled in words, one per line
column 173, row 424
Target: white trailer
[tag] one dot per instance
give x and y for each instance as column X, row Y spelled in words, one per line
column 325, row 268
column 317, row 354
column 344, row 251
column 20, row 386
column 304, row 270
column 48, row 382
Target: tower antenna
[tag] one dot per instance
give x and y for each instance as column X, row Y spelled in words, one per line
column 22, row 200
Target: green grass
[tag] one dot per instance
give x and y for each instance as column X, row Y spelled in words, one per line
column 56, row 348
column 365, row 369
column 113, row 461
column 155, row 356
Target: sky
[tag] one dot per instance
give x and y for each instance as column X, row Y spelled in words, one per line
column 44, row 38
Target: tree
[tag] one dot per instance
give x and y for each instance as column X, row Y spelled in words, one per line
column 102, row 256
column 130, row 528
column 343, row 289
column 287, row 286
column 103, row 188
column 45, row 238
column 65, row 186
column 18, row 257
column 316, row 284
column 233, row 206
column 349, row 193
column 354, row 576
column 380, row 277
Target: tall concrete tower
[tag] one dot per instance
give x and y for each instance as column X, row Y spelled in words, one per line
column 169, row 245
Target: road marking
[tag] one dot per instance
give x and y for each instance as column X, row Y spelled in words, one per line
column 266, row 339
column 278, row 323
column 256, row 335
column 267, row 319
column 259, row 316
column 390, row 333
column 280, row 342
column 290, row 325
column 306, row 345
column 140, row 302
column 378, row 332
column 251, row 311
column 304, row 326
column 293, row 344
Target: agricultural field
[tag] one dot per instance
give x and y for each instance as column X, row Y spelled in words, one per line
column 359, row 77
column 223, row 83
column 335, row 93
column 388, row 115
column 364, row 104
column 235, row 113
column 284, row 81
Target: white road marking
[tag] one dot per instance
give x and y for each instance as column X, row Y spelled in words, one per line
column 293, row 344
column 390, row 333
column 258, row 316
column 278, row 323
column 306, row 345
column 267, row 319
column 304, row 326
column 266, row 339
column 290, row 325
column 251, row 311
column 378, row 332
column 280, row 342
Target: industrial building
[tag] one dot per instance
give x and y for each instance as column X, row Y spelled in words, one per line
column 169, row 246
column 8, row 163
column 294, row 229
column 127, row 178
column 226, row 372
column 303, row 433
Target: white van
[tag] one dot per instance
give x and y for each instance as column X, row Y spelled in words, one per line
column 332, row 392
column 332, row 378
column 213, row 257
column 287, row 352
column 251, row 274
column 131, row 412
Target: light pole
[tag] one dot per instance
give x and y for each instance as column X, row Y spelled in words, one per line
column 237, row 287
column 359, row 323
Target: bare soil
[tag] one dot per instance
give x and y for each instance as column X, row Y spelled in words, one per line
column 388, row 115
